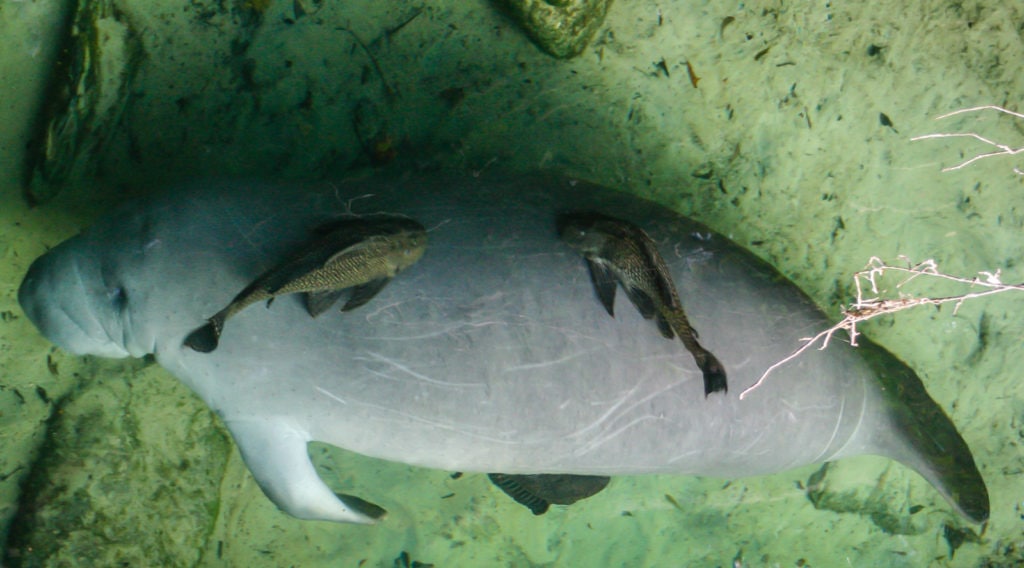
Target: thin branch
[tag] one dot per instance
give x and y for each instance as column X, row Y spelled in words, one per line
column 1004, row 149
column 865, row 308
column 977, row 108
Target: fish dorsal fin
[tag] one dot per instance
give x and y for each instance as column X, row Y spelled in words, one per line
column 604, row 282
column 364, row 293
column 349, row 251
column 333, row 243
column 286, row 273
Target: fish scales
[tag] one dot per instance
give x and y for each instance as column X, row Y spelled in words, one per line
column 360, row 254
column 620, row 252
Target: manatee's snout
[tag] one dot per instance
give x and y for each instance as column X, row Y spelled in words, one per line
column 56, row 297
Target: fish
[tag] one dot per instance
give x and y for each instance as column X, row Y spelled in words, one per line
column 358, row 254
column 620, row 253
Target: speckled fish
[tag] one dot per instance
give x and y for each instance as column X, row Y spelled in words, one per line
column 358, row 254
column 620, row 253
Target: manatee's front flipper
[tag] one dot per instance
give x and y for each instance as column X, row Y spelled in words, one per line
column 538, row 492
column 364, row 293
column 604, row 284
column 921, row 436
column 276, row 454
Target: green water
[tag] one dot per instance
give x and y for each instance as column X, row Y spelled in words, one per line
column 781, row 145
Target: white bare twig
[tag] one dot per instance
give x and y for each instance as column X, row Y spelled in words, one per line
column 872, row 306
column 1003, row 149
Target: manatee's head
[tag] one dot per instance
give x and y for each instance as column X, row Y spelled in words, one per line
column 74, row 304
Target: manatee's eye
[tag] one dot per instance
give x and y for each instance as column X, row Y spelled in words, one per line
column 118, row 298
column 575, row 234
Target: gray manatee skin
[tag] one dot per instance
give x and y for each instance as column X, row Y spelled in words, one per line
column 492, row 353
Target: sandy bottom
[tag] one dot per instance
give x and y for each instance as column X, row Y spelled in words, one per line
column 794, row 142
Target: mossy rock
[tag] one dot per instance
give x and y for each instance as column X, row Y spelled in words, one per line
column 562, row 28
column 120, row 449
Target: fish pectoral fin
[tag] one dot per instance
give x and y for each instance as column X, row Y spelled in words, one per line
column 643, row 302
column 538, row 492
column 364, row 293
column 276, row 454
column 665, row 327
column 319, row 302
column 604, row 284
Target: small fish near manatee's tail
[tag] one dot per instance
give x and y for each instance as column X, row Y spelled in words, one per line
column 922, row 437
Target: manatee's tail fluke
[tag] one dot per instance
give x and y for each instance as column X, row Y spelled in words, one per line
column 205, row 338
column 923, row 437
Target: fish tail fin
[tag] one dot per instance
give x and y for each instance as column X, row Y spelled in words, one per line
column 674, row 319
column 206, row 338
column 714, row 374
column 923, row 437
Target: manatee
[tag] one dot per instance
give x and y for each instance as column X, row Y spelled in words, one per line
column 493, row 355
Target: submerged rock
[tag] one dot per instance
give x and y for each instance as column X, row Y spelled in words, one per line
column 88, row 93
column 562, row 28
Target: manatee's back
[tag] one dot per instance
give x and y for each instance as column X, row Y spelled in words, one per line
column 492, row 352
